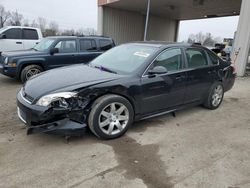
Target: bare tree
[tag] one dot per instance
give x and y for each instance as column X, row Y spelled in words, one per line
column 42, row 23
column 26, row 23
column 205, row 39
column 34, row 24
column 90, row 31
column 16, row 19
column 52, row 30
column 4, row 16
column 68, row 32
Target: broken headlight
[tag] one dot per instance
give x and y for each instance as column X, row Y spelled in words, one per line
column 59, row 98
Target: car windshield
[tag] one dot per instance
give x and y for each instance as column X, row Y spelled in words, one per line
column 44, row 45
column 124, row 59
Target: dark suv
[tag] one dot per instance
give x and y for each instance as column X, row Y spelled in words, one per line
column 53, row 52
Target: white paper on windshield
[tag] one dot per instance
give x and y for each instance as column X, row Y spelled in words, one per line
column 141, row 54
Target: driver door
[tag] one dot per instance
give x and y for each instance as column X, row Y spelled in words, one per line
column 164, row 91
column 67, row 52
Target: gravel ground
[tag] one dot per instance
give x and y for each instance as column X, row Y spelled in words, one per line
column 197, row 149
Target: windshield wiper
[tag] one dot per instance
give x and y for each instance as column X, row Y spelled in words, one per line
column 105, row 69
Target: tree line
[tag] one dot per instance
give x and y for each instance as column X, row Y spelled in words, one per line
column 204, row 39
column 14, row 18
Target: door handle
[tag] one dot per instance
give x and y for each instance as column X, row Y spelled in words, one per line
column 18, row 42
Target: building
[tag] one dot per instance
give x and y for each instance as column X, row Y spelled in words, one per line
column 126, row 20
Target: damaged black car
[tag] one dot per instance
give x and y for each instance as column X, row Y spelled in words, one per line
column 128, row 83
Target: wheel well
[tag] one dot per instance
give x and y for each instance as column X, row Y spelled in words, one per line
column 110, row 93
column 27, row 64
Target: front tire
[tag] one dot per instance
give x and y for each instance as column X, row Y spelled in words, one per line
column 30, row 71
column 215, row 97
column 110, row 117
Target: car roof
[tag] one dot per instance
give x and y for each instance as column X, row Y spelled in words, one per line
column 163, row 44
column 22, row 27
column 76, row 37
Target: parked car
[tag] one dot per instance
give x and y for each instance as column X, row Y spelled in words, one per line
column 128, row 83
column 53, row 52
column 19, row 38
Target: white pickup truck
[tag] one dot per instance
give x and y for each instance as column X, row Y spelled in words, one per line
column 19, row 38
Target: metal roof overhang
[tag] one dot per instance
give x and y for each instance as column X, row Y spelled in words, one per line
column 179, row 9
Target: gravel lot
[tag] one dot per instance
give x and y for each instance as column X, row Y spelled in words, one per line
column 199, row 148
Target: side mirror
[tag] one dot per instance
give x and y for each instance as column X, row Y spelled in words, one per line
column 158, row 70
column 54, row 51
column 2, row 36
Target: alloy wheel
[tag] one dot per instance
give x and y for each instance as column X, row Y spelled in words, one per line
column 32, row 72
column 114, row 118
column 217, row 95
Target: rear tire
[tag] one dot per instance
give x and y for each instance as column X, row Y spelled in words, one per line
column 110, row 117
column 215, row 96
column 30, row 71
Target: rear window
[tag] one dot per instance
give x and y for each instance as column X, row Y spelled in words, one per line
column 214, row 59
column 105, row 44
column 30, row 34
column 196, row 58
column 87, row 45
column 14, row 33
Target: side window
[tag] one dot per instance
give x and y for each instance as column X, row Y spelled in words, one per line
column 66, row 46
column 105, row 44
column 87, row 45
column 170, row 59
column 14, row 33
column 30, row 34
column 214, row 59
column 196, row 58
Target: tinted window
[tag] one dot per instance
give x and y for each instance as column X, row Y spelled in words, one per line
column 214, row 59
column 66, row 46
column 196, row 58
column 13, row 34
column 30, row 34
column 105, row 44
column 87, row 45
column 170, row 59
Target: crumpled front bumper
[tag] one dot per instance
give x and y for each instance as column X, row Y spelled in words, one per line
column 62, row 127
column 32, row 115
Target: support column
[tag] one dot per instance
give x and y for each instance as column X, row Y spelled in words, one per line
column 177, row 30
column 147, row 18
column 242, row 39
column 100, row 21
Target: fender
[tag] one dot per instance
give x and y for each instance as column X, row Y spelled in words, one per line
column 28, row 61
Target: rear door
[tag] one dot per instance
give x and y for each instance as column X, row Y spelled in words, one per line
column 88, row 51
column 200, row 74
column 162, row 92
column 30, row 38
column 13, row 40
column 66, row 56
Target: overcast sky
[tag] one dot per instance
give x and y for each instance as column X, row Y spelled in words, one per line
column 218, row 27
column 83, row 14
column 67, row 13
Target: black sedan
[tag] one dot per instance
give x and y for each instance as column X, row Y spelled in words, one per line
column 128, row 83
